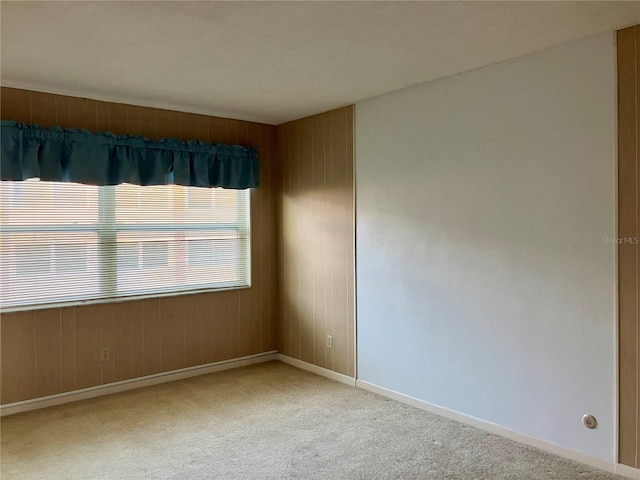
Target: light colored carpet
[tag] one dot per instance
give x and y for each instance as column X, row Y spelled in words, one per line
column 268, row 421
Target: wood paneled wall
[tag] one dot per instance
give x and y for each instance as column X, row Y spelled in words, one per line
column 628, row 249
column 317, row 240
column 57, row 350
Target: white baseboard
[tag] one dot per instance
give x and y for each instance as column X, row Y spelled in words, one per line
column 595, row 462
column 628, row 472
column 147, row 381
column 323, row 372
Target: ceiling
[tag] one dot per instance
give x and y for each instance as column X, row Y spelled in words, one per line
column 274, row 61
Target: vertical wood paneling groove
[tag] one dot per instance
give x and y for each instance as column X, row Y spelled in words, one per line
column 299, row 313
column 67, row 349
column 283, row 147
column 316, row 248
column 60, row 345
column 87, row 347
column 351, row 247
column 628, row 45
column 275, row 220
column 287, row 250
column 343, row 218
column 333, row 218
column 47, row 352
column 294, row 180
column 325, row 215
column 293, row 176
column 264, row 242
column 122, row 341
column 637, row 236
column 316, row 358
column 306, row 233
column 38, row 359
column 107, row 333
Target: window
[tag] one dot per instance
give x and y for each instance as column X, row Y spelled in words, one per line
column 64, row 242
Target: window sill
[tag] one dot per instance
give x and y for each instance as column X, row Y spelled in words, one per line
column 81, row 303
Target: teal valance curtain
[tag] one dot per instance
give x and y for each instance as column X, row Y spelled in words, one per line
column 69, row 155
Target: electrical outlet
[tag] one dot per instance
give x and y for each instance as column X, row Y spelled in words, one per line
column 105, row 355
column 329, row 341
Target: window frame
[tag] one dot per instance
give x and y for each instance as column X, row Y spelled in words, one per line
column 108, row 257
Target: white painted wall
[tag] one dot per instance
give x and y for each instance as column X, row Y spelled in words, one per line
column 484, row 285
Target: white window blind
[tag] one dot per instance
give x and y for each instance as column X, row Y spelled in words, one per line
column 64, row 242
